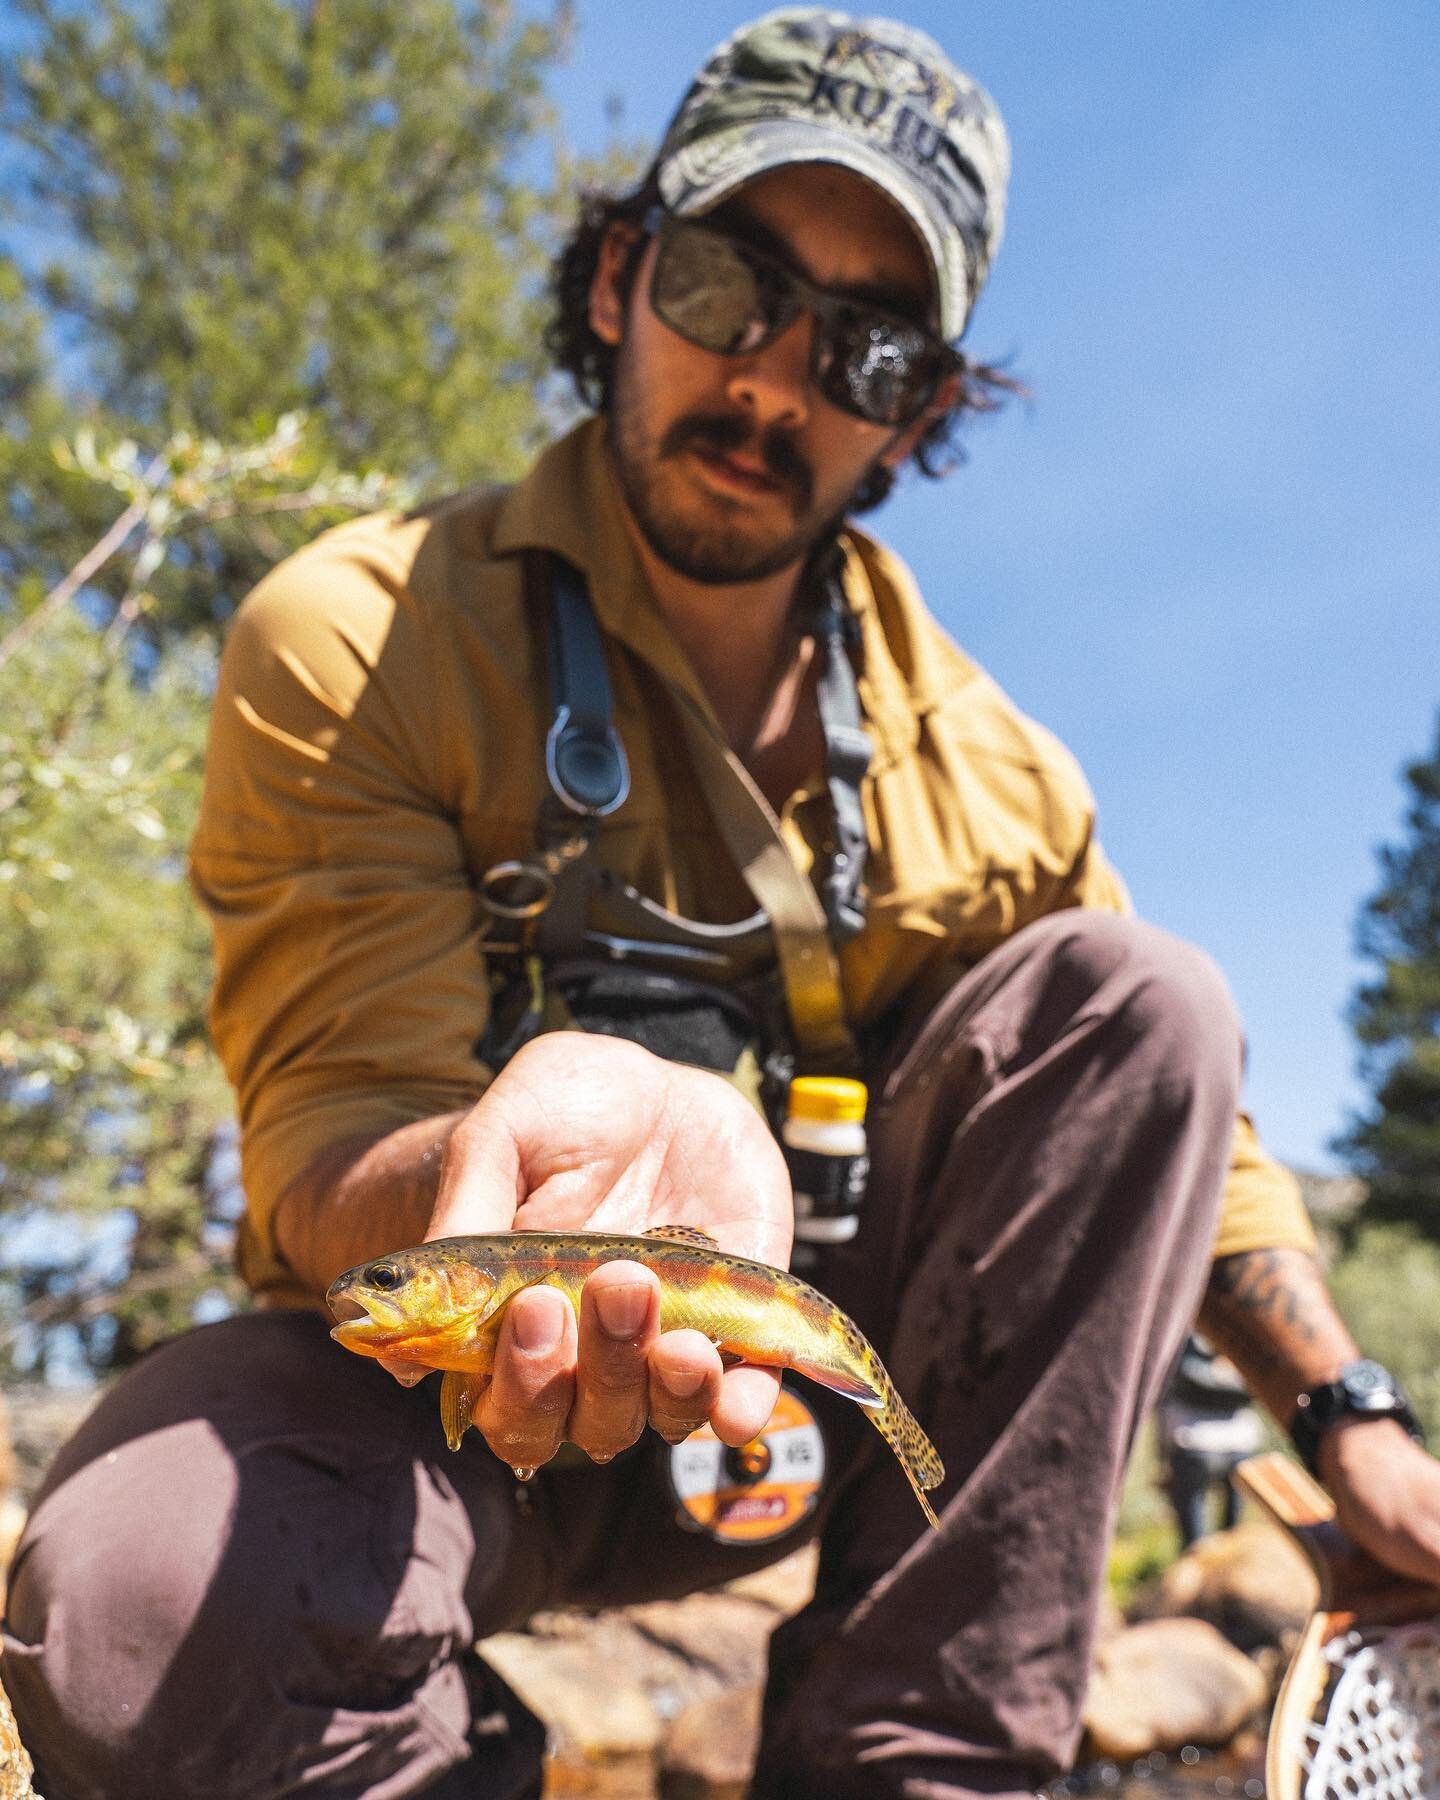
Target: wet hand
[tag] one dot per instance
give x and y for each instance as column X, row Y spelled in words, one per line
column 601, row 1381
column 590, row 1133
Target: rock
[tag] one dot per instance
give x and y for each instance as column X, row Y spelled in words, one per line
column 7, row 1449
column 1254, row 1584
column 1168, row 1683
column 12, row 1508
column 596, row 1693
column 608, row 1686
column 709, row 1751
column 785, row 1586
column 16, row 1769
column 12, row 1523
column 1110, row 1621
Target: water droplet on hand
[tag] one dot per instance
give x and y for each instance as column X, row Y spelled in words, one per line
column 524, row 1472
column 602, row 1456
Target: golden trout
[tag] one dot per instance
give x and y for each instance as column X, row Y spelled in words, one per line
column 440, row 1305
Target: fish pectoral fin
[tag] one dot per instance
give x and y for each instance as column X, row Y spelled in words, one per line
column 841, row 1381
column 459, row 1394
column 682, row 1234
column 489, row 1314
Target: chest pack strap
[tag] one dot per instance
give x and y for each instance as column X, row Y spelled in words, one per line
column 544, row 900
column 809, row 967
column 584, row 757
column 847, row 757
column 586, row 770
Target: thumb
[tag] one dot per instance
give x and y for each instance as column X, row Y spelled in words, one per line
column 480, row 1177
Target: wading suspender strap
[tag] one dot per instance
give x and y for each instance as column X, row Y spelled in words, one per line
column 589, row 777
column 584, row 758
column 847, row 756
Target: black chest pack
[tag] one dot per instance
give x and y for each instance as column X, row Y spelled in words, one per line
column 573, row 945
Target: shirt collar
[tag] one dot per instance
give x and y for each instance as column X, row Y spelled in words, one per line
column 570, row 503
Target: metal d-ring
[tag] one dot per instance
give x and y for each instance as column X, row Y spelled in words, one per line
column 516, row 890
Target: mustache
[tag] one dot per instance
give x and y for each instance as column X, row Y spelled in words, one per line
column 723, row 433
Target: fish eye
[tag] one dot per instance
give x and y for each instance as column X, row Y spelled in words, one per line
column 383, row 1275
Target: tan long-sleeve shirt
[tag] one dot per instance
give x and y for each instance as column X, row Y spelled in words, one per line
column 377, row 743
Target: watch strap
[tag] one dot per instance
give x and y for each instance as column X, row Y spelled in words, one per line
column 1363, row 1390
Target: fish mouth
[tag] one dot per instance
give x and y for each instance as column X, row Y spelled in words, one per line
column 364, row 1318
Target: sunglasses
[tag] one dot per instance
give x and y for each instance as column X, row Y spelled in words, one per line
column 722, row 295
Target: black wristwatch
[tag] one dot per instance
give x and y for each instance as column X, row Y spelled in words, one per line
column 1364, row 1390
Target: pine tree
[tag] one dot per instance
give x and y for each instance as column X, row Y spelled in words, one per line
column 1396, row 1145
column 252, row 252
column 291, row 206
column 112, row 1109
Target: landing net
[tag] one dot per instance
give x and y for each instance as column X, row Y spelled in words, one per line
column 1378, row 1737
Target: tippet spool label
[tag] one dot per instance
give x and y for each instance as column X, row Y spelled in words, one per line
column 758, row 1492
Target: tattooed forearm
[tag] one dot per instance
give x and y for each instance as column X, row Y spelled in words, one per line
column 1269, row 1311
column 1263, row 1286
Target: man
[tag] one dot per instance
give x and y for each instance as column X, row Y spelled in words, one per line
column 257, row 1571
column 1205, row 1427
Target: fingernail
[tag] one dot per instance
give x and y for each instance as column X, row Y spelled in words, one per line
column 682, row 1383
column 622, row 1310
column 539, row 1323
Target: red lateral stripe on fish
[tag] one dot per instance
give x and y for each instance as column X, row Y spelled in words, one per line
column 440, row 1305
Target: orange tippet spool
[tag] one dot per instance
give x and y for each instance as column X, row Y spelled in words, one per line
column 759, row 1492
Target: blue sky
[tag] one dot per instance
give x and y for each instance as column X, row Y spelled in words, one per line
column 1207, row 554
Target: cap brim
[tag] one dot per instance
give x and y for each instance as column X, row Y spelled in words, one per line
column 703, row 173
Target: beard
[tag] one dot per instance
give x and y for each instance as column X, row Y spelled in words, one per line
column 696, row 539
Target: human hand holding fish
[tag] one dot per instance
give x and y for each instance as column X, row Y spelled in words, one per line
column 444, row 1304
column 587, row 1133
column 667, row 1315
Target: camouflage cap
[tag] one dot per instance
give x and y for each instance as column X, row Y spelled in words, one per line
column 809, row 85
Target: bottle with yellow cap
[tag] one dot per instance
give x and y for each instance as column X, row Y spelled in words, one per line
column 825, row 1147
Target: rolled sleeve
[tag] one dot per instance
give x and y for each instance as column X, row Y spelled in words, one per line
column 1261, row 1208
column 350, row 988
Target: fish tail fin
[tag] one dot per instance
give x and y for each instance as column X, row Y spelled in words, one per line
column 866, row 1381
column 917, row 1456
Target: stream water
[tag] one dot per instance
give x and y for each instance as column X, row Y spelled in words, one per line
column 1187, row 1775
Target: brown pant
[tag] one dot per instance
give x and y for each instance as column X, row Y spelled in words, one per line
column 256, row 1571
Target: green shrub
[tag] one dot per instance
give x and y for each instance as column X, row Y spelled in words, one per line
column 1387, row 1285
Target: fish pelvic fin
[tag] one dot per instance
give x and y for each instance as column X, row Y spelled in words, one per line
column 459, row 1395
column 848, row 1382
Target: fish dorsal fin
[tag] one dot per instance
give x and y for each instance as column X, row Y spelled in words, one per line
column 683, row 1234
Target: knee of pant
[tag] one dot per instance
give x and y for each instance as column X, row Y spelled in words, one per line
column 1163, row 994
column 257, row 1598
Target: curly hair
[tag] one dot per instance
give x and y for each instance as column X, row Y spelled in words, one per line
column 590, row 362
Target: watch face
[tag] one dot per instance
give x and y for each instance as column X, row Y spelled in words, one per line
column 1364, row 1379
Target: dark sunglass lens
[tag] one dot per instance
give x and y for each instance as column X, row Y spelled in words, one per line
column 882, row 370
column 705, row 288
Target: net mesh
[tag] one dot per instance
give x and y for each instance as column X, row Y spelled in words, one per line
column 1379, row 1733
